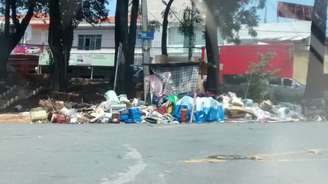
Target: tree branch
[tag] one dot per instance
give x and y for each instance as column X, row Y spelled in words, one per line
column 20, row 30
column 14, row 14
column 26, row 21
column 7, row 19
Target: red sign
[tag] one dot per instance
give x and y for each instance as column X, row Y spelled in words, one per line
column 295, row 11
column 27, row 50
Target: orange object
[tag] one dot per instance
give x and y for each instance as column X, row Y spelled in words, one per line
column 116, row 117
column 183, row 115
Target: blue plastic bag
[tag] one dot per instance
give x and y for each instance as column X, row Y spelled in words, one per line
column 134, row 115
column 208, row 110
column 187, row 103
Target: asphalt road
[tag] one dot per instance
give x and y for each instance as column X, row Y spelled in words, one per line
column 119, row 154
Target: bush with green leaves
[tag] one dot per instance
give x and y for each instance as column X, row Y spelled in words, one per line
column 258, row 78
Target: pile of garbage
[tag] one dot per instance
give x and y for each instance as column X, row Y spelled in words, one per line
column 167, row 110
column 119, row 109
column 247, row 110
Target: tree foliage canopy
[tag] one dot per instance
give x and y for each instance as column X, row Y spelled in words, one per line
column 230, row 16
column 92, row 11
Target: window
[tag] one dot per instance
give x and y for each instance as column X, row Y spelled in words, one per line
column 175, row 37
column 287, row 82
column 275, row 81
column 89, row 42
column 199, row 36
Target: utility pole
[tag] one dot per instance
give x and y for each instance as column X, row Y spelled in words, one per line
column 316, row 91
column 316, row 81
column 145, row 45
column 145, row 42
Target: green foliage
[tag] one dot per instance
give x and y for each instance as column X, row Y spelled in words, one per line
column 232, row 15
column 21, row 8
column 154, row 25
column 258, row 78
column 189, row 19
column 91, row 11
column 172, row 11
column 22, row 5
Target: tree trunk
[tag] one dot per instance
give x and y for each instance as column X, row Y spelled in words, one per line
column 132, row 32
column 7, row 17
column 68, row 29
column 4, row 55
column 68, row 43
column 317, row 83
column 59, row 81
column 212, row 51
column 4, row 44
column 165, row 27
column 192, row 31
column 121, row 36
column 131, row 44
column 191, row 43
column 20, row 27
column 117, row 39
column 117, row 29
column 10, row 39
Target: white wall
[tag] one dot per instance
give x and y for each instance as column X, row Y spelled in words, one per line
column 39, row 37
column 108, row 36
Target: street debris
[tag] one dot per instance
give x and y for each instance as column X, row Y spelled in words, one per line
column 266, row 111
column 163, row 107
column 39, row 115
column 311, row 154
column 201, row 161
column 16, row 118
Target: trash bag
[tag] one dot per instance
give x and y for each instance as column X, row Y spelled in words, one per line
column 111, row 96
column 186, row 102
column 208, row 110
column 173, row 99
column 261, row 115
column 155, row 85
column 106, row 106
column 216, row 112
column 288, row 112
column 235, row 100
column 249, row 103
column 72, row 114
column 168, row 85
column 134, row 115
column 202, row 109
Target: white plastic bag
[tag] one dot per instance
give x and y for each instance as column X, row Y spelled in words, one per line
column 111, row 96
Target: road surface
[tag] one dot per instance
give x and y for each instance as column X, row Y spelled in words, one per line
column 119, row 154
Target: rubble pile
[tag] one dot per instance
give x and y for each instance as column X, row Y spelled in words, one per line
column 266, row 111
column 167, row 110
